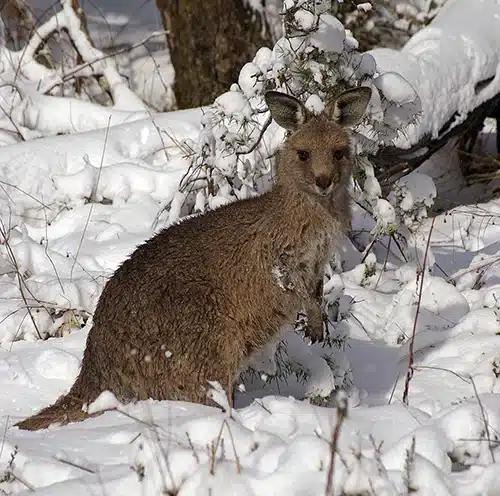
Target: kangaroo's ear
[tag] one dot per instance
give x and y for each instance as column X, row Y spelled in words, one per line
column 347, row 109
column 286, row 110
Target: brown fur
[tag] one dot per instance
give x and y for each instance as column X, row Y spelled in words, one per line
column 206, row 290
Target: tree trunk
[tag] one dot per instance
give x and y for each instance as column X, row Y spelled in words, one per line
column 209, row 43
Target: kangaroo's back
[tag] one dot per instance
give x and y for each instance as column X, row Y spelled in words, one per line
column 194, row 302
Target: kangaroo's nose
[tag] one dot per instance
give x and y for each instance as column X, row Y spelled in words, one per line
column 323, row 182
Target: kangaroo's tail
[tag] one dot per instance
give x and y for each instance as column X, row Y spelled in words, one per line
column 68, row 408
column 64, row 410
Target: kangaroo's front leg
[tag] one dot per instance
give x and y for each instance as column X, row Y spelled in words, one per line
column 306, row 282
column 314, row 328
column 313, row 307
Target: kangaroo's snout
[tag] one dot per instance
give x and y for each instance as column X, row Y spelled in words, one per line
column 323, row 184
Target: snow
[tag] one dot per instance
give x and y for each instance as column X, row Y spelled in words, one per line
column 415, row 188
column 385, row 213
column 394, row 88
column 330, row 34
column 74, row 206
column 105, row 401
column 364, row 7
column 233, row 103
column 248, row 79
column 314, row 104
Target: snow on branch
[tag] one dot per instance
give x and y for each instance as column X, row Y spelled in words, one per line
column 453, row 64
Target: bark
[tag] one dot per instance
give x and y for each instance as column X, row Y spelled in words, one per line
column 209, row 43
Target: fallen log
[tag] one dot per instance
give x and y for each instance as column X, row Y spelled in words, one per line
column 454, row 66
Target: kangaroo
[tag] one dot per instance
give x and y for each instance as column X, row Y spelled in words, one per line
column 195, row 301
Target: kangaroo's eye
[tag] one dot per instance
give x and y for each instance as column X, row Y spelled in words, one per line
column 303, row 155
column 338, row 154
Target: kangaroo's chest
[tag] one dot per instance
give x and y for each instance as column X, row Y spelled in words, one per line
column 298, row 264
column 313, row 258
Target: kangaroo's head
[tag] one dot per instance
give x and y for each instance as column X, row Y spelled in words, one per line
column 317, row 156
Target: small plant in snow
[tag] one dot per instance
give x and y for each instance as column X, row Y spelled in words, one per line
column 411, row 196
column 409, row 468
column 8, row 474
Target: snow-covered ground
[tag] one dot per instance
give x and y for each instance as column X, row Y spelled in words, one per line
column 73, row 207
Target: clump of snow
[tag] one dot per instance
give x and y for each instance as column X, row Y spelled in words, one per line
column 55, row 364
column 372, row 187
column 233, row 103
column 105, row 401
column 330, row 34
column 249, row 79
column 385, row 214
column 305, row 20
column 416, row 188
column 411, row 196
column 395, row 88
column 364, row 7
column 441, row 307
column 314, row 104
column 471, row 428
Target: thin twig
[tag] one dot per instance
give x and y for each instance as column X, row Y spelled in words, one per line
column 423, row 367
column 385, row 262
column 48, row 255
column 22, row 481
column 7, row 418
column 483, row 415
column 191, row 445
column 87, row 221
column 74, row 464
column 393, row 389
column 368, row 249
column 13, row 122
column 5, row 183
column 19, row 278
column 257, row 141
column 341, row 415
column 411, row 358
column 236, row 457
